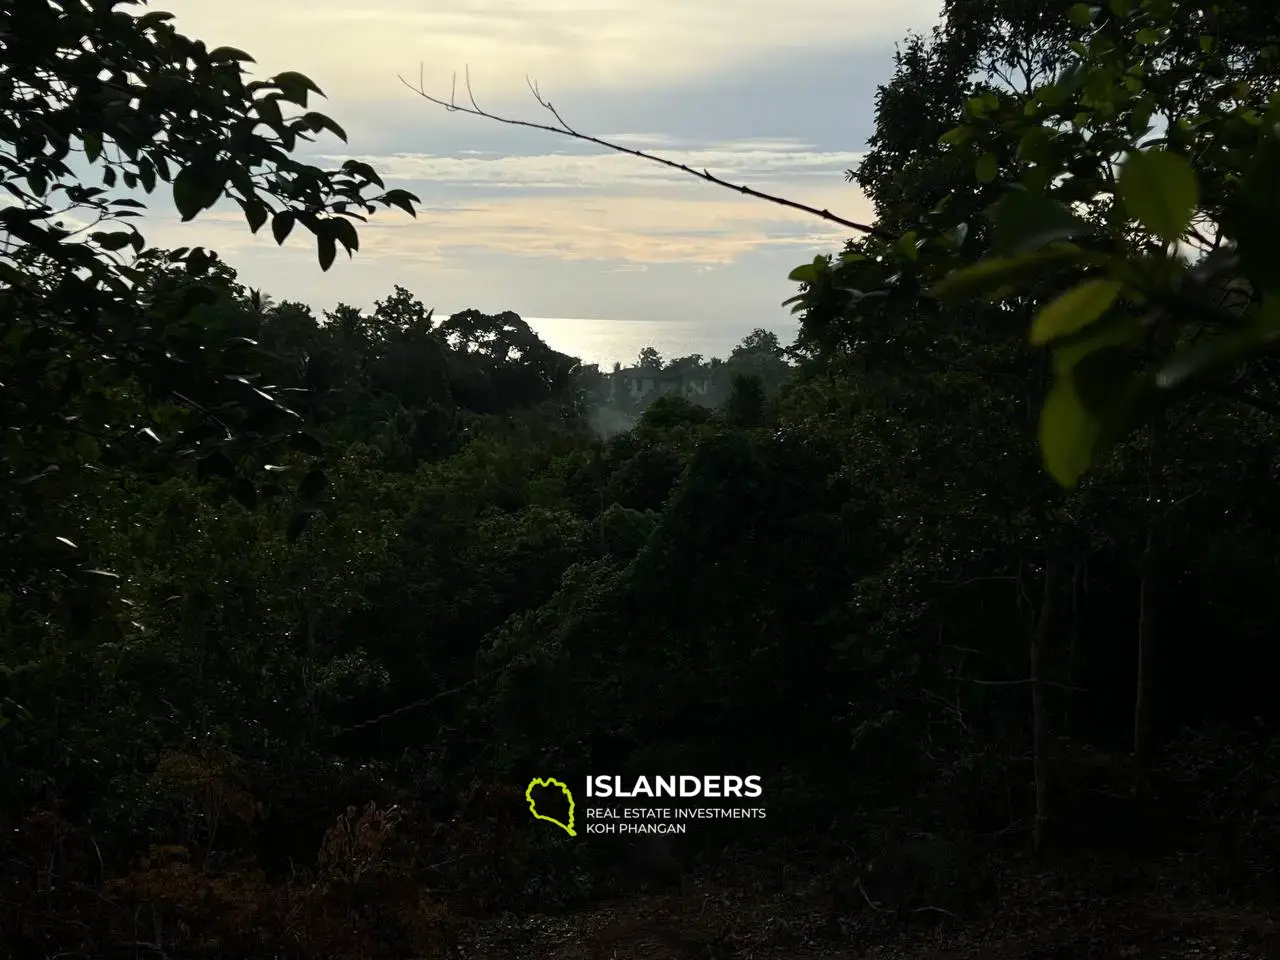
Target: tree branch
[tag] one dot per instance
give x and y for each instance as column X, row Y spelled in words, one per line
column 565, row 130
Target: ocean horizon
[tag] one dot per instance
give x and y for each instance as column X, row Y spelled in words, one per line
column 608, row 341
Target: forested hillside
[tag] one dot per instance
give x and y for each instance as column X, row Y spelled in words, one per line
column 978, row 575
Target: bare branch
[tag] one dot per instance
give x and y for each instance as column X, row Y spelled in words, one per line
column 565, row 130
column 1016, row 683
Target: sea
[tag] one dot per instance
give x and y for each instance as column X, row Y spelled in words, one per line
column 608, row 341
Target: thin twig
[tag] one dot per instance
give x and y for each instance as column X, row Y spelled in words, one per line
column 879, row 909
column 565, row 130
column 415, row 705
column 1014, row 683
column 871, row 903
column 931, row 909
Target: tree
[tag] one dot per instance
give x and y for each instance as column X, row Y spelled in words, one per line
column 760, row 341
column 685, row 365
column 107, row 355
column 401, row 315
column 1079, row 190
column 746, row 402
column 1081, row 213
column 649, row 360
column 1233, row 42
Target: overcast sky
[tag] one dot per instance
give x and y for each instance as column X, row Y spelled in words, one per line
column 777, row 94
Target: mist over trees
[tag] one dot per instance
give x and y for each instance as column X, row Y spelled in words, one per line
column 976, row 575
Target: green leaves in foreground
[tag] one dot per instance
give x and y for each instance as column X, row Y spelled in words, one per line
column 1101, row 258
column 197, row 188
column 1094, row 389
column 1095, row 396
column 1159, row 188
column 1074, row 310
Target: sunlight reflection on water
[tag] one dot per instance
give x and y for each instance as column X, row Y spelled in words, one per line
column 604, row 341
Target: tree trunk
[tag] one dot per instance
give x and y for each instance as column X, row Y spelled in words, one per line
column 1071, row 713
column 1143, row 729
column 1040, row 642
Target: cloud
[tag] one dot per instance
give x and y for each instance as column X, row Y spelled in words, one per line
column 600, row 208
column 621, row 230
column 571, row 44
column 743, row 161
column 777, row 95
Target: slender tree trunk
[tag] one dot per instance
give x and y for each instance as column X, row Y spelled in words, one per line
column 1040, row 643
column 1143, row 728
column 1070, row 715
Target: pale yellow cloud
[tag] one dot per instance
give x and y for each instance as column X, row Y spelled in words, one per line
column 717, row 229
column 357, row 50
column 606, row 207
column 739, row 162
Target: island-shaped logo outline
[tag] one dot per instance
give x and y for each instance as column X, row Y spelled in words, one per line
column 533, row 804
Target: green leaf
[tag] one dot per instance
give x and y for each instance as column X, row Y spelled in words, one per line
column 327, row 248
column 295, row 86
column 268, row 109
column 956, row 135
column 13, row 276
column 147, row 176
column 986, row 168
column 224, row 54
column 1034, row 145
column 306, row 443
column 402, row 199
column 1068, row 435
column 988, row 276
column 1101, row 378
column 1081, row 14
column 1254, row 217
column 152, row 19
column 196, row 188
column 1159, row 188
column 281, row 225
column 809, row 272
column 1074, row 310
column 1224, row 352
column 255, row 213
column 1073, row 432
column 112, row 241
column 245, row 493
column 92, row 144
column 318, row 121
column 1024, row 220
column 260, row 421
column 345, row 233
column 297, row 523
column 216, row 464
column 358, row 168
column 312, row 485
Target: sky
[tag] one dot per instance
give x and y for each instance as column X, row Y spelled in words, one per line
column 775, row 94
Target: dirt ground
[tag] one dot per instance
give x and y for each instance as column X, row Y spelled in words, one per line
column 1038, row 916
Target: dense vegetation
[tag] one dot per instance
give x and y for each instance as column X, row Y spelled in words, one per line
column 292, row 607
